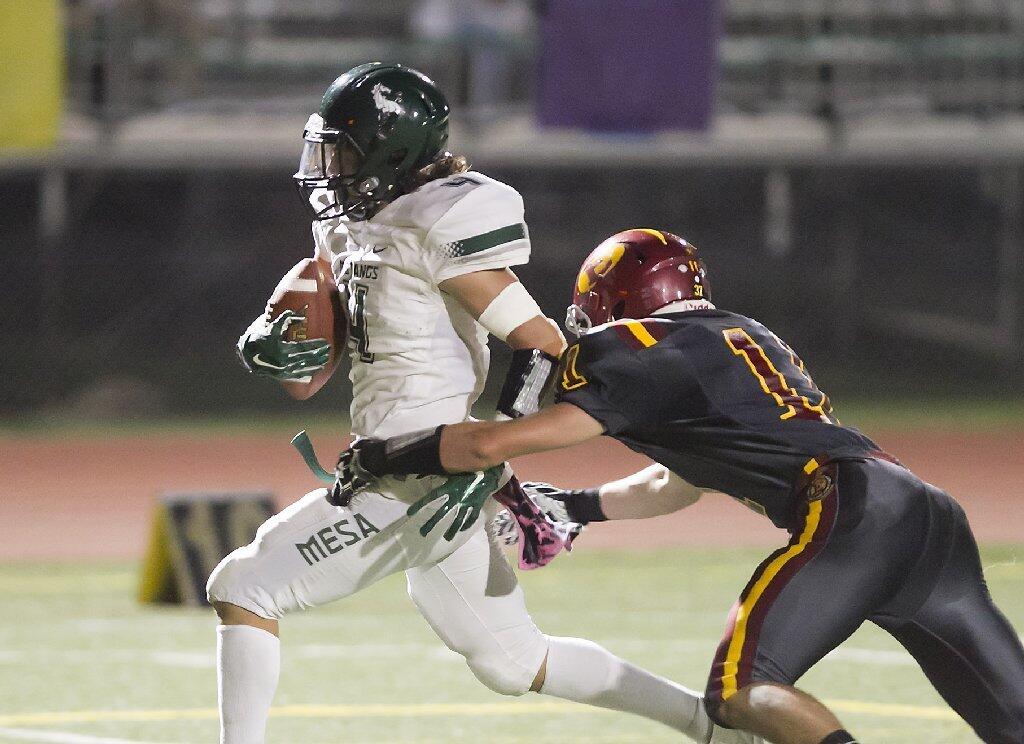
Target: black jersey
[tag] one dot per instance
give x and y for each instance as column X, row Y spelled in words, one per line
column 715, row 397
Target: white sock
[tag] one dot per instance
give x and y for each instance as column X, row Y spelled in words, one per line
column 248, row 664
column 584, row 672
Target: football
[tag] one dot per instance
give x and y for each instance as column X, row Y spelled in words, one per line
column 308, row 289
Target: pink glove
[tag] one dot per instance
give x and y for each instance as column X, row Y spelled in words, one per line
column 540, row 538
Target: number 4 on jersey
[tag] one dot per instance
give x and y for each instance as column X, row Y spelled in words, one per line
column 357, row 325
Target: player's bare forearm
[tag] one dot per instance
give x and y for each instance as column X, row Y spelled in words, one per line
column 540, row 332
column 514, row 317
column 477, row 445
column 653, row 491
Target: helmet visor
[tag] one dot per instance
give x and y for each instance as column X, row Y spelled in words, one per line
column 326, row 153
column 319, row 161
column 322, row 160
column 328, row 165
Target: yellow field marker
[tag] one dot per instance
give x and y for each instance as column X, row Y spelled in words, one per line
column 386, row 710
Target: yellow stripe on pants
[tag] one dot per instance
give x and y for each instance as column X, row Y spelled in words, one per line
column 732, row 658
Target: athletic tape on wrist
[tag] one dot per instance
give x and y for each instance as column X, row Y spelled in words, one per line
column 510, row 309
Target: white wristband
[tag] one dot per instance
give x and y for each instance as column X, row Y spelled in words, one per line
column 510, row 309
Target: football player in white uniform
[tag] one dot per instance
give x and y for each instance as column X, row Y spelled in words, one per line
column 421, row 249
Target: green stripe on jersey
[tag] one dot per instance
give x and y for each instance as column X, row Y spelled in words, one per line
column 485, row 240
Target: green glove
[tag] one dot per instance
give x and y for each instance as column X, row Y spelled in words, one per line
column 263, row 350
column 467, row 491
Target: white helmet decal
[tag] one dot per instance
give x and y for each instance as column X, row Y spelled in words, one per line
column 385, row 104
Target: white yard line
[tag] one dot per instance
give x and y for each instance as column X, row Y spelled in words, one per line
column 62, row 737
column 205, row 658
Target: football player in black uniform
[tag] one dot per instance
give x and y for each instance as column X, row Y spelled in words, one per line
column 722, row 404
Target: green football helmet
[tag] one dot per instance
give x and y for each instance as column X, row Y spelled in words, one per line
column 377, row 124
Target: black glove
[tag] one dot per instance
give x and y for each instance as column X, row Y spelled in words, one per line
column 355, row 471
column 416, row 453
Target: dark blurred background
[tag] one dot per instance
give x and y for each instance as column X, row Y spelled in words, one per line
column 851, row 169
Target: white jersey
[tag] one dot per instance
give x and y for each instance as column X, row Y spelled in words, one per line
column 418, row 358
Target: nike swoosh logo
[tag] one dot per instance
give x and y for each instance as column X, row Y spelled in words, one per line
column 256, row 360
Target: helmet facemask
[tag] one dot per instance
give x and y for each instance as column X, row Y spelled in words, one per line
column 329, row 177
column 590, row 311
column 577, row 322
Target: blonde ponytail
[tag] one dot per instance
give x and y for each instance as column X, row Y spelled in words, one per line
column 444, row 165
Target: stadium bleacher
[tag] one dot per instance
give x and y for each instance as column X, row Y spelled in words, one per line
column 831, row 58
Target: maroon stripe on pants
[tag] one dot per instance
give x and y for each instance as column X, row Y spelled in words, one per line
column 714, row 689
column 764, row 603
column 759, row 611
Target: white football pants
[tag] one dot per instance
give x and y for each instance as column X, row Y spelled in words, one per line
column 312, row 553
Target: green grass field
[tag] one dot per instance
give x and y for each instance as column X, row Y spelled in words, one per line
column 82, row 662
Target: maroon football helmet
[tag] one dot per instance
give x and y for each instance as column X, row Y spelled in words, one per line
column 632, row 274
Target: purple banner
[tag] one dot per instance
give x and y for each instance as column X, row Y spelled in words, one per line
column 637, row 66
